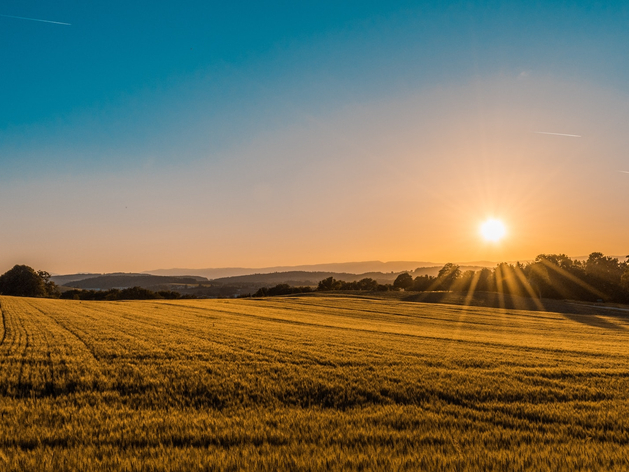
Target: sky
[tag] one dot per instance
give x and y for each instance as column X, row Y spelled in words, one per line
column 145, row 135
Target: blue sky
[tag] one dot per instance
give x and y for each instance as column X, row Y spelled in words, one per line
column 125, row 75
column 136, row 88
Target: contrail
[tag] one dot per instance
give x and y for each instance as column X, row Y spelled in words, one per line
column 560, row 134
column 624, row 171
column 37, row 19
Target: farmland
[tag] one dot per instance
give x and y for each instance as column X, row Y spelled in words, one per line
column 310, row 383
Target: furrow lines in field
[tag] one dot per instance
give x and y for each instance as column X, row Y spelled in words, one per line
column 29, row 366
column 137, row 337
column 296, row 355
column 158, row 330
column 404, row 312
column 223, row 377
column 164, row 330
column 27, row 344
column 4, row 326
column 15, row 339
column 15, row 333
column 540, row 334
column 148, row 331
column 96, row 330
column 406, row 334
column 238, row 309
column 46, row 347
column 63, row 326
column 201, row 342
column 272, row 341
column 413, row 310
column 66, row 363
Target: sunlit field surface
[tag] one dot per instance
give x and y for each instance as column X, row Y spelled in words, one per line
column 311, row 383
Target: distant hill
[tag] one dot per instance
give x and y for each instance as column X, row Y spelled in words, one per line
column 224, row 286
column 342, row 267
column 231, row 285
column 356, row 268
column 118, row 280
column 300, row 277
column 232, row 281
column 65, row 279
column 313, row 278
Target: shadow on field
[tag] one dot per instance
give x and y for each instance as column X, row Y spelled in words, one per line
column 480, row 299
column 594, row 320
column 582, row 312
column 497, row 300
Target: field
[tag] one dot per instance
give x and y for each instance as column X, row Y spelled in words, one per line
column 310, row 383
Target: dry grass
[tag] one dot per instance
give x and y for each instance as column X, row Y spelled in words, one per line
column 309, row 383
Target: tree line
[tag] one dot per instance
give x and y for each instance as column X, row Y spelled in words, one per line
column 598, row 278
column 557, row 276
column 24, row 281
column 131, row 293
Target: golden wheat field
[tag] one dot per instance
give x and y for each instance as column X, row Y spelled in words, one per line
column 309, row 383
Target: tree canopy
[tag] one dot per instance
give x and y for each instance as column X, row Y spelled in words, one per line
column 549, row 276
column 24, row 281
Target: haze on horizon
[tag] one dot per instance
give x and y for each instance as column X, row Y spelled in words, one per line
column 207, row 134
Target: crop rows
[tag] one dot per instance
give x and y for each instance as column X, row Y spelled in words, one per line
column 309, row 383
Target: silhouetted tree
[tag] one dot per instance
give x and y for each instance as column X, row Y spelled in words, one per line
column 169, row 294
column 329, row 284
column 539, row 279
column 558, row 276
column 447, row 275
column 367, row 284
column 423, row 283
column 52, row 291
column 485, row 280
column 23, row 281
column 281, row 289
column 464, row 283
column 403, row 281
column 603, row 272
column 624, row 279
column 510, row 278
column 550, row 276
column 134, row 293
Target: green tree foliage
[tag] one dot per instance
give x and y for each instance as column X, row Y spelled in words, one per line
column 24, row 281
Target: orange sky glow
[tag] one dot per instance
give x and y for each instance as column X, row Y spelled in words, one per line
column 408, row 178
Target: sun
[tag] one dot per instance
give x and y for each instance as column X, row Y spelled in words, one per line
column 493, row 230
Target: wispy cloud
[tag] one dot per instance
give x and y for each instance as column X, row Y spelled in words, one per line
column 36, row 19
column 624, row 171
column 559, row 134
